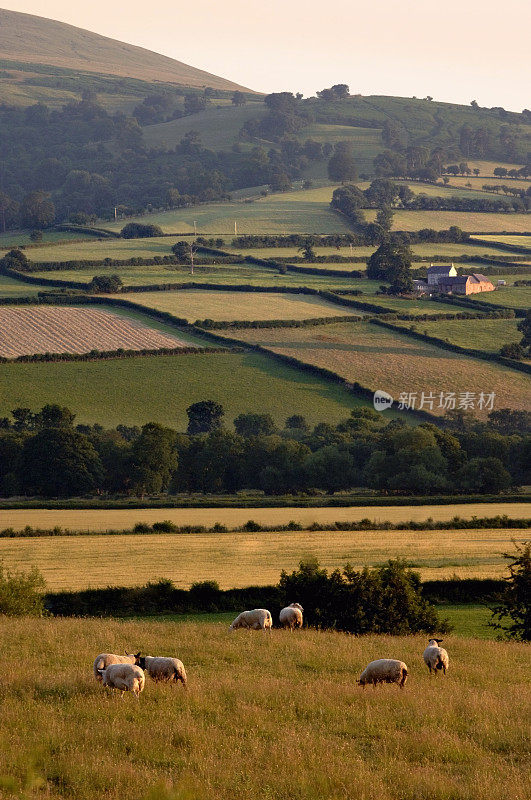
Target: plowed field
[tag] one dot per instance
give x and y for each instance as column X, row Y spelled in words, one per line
column 35, row 329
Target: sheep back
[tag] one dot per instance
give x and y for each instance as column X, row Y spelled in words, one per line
column 257, row 619
column 126, row 677
column 104, row 660
column 384, row 670
column 164, row 668
column 291, row 616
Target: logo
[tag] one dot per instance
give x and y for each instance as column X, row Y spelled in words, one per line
column 382, row 400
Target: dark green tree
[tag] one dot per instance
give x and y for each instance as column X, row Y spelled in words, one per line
column 254, row 425
column 524, row 326
column 204, row 416
column 391, row 261
column 153, row 459
column 37, row 210
column 105, row 284
column 59, row 462
column 342, row 166
column 238, row 98
column 512, row 615
column 384, row 218
column 485, row 475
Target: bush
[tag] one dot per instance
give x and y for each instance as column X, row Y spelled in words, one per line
column 21, row 593
column 135, row 230
column 512, row 350
column 512, row 615
column 385, row 599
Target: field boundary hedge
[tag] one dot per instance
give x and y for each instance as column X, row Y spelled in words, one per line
column 105, row 355
column 467, row 302
column 468, row 351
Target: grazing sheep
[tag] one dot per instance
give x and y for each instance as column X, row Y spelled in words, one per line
column 104, row 660
column 384, row 670
column 162, row 668
column 259, row 619
column 436, row 657
column 291, row 616
column 126, row 677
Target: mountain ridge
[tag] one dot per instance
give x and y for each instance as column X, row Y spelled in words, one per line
column 40, row 40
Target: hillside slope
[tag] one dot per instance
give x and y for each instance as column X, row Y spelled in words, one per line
column 37, row 40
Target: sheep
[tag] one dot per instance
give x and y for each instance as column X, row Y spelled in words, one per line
column 384, row 670
column 291, row 616
column 126, row 677
column 104, row 660
column 162, row 668
column 259, row 619
column 436, row 657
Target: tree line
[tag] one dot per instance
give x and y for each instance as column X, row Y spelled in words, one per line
column 45, row 454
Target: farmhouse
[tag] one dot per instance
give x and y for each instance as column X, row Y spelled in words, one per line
column 435, row 274
column 465, row 284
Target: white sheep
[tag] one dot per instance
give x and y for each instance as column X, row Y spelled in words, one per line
column 125, row 677
column 162, row 668
column 384, row 670
column 259, row 619
column 291, row 616
column 104, row 660
column 436, row 657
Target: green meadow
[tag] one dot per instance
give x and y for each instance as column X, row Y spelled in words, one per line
column 480, row 334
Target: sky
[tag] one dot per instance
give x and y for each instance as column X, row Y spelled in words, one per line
column 454, row 50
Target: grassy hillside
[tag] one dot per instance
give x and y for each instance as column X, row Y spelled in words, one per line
column 160, row 388
column 37, row 40
column 245, row 559
column 252, row 699
column 395, row 363
column 218, row 128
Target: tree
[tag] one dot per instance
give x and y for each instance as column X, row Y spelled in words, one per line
column 193, row 103
column 153, row 459
column 204, row 416
column 341, row 90
column 15, row 259
column 381, row 192
column 59, row 462
column 392, row 260
column 184, row 252
column 105, row 284
column 37, row 210
column 384, row 218
column 512, row 350
column 9, row 210
column 238, row 98
column 36, row 236
column 500, row 172
column 484, row 475
column 254, row 425
column 54, row 416
column 342, row 166
column 524, row 326
column 136, row 230
column 296, row 422
column 513, row 613
column 308, row 253
column 21, row 593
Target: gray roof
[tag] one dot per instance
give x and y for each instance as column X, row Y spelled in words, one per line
column 457, row 281
column 479, row 277
column 440, row 270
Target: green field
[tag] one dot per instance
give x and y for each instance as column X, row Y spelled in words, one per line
column 194, row 304
column 244, row 559
column 160, row 388
column 383, row 359
column 480, row 334
column 470, row 221
column 251, row 700
column 98, row 249
column 521, row 241
column 218, row 128
column 229, row 274
column 509, row 296
column 22, row 238
column 405, row 305
column 10, row 287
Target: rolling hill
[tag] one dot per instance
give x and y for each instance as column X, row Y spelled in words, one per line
column 29, row 39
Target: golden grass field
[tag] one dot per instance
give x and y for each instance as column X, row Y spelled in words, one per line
column 124, row 519
column 275, row 717
column 47, row 329
column 382, row 359
column 481, row 334
column 251, row 559
column 194, row 304
column 478, row 222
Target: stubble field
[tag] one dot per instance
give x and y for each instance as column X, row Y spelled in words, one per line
column 267, row 717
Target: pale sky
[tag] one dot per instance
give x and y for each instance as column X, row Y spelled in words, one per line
column 454, row 50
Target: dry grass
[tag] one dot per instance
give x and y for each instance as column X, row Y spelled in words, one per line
column 48, row 329
column 218, row 305
column 232, row 518
column 482, row 334
column 244, row 559
column 382, row 359
column 466, row 220
column 522, row 241
column 268, row 718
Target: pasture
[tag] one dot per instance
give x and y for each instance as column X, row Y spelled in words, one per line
column 21, row 238
column 10, row 287
column 250, row 559
column 383, row 359
column 134, row 391
column 193, row 304
column 101, row 520
column 407, row 305
column 481, row 334
column 26, row 330
column 509, row 296
column 288, row 703
column 98, row 249
column 520, row 241
column 470, row 221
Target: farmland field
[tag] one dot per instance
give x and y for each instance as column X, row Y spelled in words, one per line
column 406, row 305
column 509, row 296
column 19, row 238
column 250, row 559
column 441, row 251
column 382, row 359
column 481, row 334
column 61, row 329
column 98, row 249
column 521, row 241
column 466, row 220
column 123, row 519
column 230, row 274
column 10, row 287
column 193, row 304
column 134, row 391
column 241, row 708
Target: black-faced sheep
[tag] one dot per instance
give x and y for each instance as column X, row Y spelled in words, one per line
column 291, row 616
column 125, row 677
column 384, row 670
column 436, row 657
column 163, row 668
column 104, row 660
column 259, row 619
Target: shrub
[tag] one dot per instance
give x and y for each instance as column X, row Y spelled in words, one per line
column 21, row 593
column 135, row 230
column 512, row 615
column 512, row 350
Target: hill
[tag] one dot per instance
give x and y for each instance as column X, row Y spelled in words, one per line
column 36, row 40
